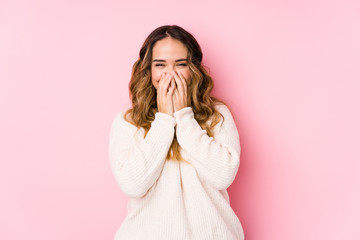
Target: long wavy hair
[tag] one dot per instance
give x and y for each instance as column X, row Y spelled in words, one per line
column 143, row 93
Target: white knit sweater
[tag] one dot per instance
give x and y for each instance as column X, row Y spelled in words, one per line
column 175, row 200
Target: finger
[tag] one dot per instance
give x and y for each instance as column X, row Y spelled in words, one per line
column 183, row 81
column 176, row 94
column 163, row 77
column 172, row 87
column 179, row 83
column 160, row 87
column 165, row 85
column 161, row 82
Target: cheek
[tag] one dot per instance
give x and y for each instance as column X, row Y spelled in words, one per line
column 187, row 75
column 155, row 77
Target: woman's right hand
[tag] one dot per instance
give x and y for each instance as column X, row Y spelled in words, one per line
column 165, row 91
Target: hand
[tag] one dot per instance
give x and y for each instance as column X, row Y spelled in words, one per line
column 164, row 94
column 180, row 98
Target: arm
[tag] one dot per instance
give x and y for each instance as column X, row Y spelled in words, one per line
column 137, row 165
column 216, row 159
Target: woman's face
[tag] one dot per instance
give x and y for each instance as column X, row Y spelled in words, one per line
column 169, row 55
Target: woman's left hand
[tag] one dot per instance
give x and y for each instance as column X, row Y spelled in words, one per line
column 180, row 98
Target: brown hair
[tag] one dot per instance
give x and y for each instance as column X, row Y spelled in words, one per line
column 143, row 94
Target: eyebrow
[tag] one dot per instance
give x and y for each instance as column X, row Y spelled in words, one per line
column 161, row 60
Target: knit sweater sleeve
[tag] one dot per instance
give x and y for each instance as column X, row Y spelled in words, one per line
column 217, row 158
column 136, row 165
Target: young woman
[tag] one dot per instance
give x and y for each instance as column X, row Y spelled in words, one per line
column 175, row 152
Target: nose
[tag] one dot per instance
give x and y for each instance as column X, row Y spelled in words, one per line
column 169, row 69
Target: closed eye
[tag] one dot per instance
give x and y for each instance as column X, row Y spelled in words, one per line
column 182, row 64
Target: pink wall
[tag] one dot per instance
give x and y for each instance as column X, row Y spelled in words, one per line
column 289, row 70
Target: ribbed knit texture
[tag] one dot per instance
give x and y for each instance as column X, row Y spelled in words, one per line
column 171, row 200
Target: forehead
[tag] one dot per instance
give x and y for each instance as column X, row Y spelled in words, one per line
column 169, row 48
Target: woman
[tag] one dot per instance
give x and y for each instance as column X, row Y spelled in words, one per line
column 177, row 150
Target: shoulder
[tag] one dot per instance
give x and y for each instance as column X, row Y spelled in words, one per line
column 119, row 118
column 221, row 106
column 119, row 115
column 227, row 120
column 223, row 109
column 225, row 130
column 123, row 129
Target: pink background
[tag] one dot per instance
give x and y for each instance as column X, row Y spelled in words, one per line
column 289, row 70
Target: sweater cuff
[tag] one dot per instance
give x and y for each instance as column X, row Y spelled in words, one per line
column 163, row 117
column 184, row 113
